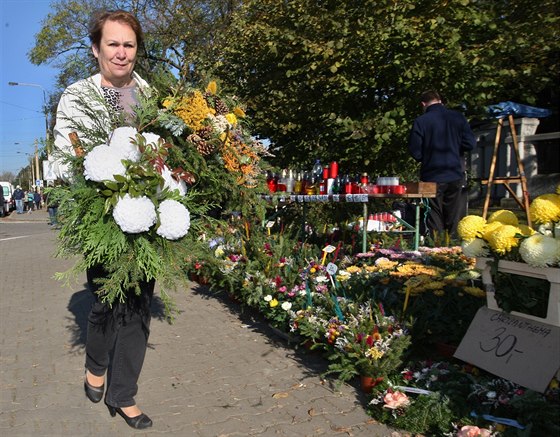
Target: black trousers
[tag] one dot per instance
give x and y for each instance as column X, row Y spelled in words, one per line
column 447, row 208
column 117, row 338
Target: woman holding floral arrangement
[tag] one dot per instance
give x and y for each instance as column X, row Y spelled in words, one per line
column 117, row 330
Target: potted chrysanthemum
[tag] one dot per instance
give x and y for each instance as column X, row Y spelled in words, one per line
column 518, row 262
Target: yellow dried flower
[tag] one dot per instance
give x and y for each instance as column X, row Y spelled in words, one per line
column 470, row 227
column 503, row 239
column 240, row 113
column 545, row 208
column 212, row 87
column 193, row 110
column 504, row 216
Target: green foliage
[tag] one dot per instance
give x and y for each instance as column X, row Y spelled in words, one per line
column 341, row 80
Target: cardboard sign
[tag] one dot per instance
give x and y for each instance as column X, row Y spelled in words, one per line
column 518, row 349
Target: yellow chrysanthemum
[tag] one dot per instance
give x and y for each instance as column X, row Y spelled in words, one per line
column 470, row 227
column 353, row 269
column 526, row 230
column 212, row 87
column 545, row 208
column 489, row 229
column 540, row 250
column 558, row 189
column 503, row 239
column 503, row 216
column 273, row 303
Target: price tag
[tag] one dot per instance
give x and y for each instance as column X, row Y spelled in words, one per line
column 329, row 249
column 332, row 269
column 360, row 198
column 513, row 347
column 270, row 223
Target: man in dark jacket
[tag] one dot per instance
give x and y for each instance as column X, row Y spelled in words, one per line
column 18, row 197
column 438, row 140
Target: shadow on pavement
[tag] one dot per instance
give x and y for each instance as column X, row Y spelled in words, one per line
column 80, row 305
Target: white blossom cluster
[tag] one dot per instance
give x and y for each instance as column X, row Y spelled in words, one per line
column 137, row 214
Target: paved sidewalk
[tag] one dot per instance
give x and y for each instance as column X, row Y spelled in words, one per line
column 214, row 372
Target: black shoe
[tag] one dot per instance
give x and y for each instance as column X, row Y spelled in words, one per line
column 94, row 394
column 138, row 422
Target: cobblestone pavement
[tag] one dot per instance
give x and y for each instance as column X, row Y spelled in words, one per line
column 215, row 371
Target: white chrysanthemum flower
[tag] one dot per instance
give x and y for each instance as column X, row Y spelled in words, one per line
column 151, row 138
column 170, row 182
column 286, row 306
column 175, row 220
column 220, row 123
column 475, row 248
column 268, row 298
column 122, row 140
column 540, row 250
column 134, row 214
column 102, row 164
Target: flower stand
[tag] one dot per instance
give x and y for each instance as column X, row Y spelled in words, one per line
column 551, row 274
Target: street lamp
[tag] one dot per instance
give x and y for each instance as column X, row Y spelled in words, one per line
column 45, row 110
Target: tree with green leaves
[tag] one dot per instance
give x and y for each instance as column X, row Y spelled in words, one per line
column 341, row 80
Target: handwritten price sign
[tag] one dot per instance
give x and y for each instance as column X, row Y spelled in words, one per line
column 519, row 349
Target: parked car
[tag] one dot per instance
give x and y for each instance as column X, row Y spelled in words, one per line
column 8, row 191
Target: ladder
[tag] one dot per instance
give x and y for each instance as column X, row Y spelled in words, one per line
column 506, row 180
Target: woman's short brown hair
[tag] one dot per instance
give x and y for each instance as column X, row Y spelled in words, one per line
column 101, row 17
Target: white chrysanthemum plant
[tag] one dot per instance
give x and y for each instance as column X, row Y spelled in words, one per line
column 139, row 185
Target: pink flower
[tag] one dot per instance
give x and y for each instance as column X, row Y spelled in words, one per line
column 473, row 431
column 282, row 289
column 395, row 400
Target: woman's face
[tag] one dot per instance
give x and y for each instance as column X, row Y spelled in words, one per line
column 116, row 54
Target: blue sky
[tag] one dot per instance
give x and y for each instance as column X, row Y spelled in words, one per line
column 21, row 117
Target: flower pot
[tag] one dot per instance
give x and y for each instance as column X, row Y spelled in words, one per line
column 367, row 383
column 551, row 274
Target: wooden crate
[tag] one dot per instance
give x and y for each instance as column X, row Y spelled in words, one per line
column 421, row 187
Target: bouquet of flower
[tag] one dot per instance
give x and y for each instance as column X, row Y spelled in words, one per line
column 127, row 207
column 368, row 343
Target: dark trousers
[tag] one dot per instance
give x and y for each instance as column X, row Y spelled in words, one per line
column 117, row 338
column 447, row 208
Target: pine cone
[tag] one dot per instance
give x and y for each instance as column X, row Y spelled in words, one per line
column 220, row 107
column 204, row 148
column 205, row 133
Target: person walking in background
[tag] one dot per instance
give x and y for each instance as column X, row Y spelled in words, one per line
column 439, row 138
column 117, row 335
column 30, row 201
column 52, row 201
column 37, row 199
column 19, row 195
